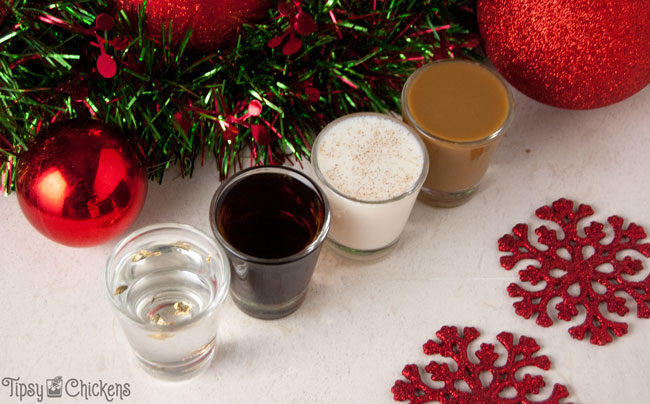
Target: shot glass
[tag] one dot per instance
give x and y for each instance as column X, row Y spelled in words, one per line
column 461, row 109
column 371, row 167
column 272, row 222
column 166, row 283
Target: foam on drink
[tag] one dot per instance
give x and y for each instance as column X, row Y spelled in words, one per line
column 371, row 167
column 370, row 158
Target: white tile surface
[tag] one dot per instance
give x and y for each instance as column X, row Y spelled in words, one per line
column 361, row 323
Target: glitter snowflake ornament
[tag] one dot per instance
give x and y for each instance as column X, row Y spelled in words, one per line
column 453, row 345
column 595, row 276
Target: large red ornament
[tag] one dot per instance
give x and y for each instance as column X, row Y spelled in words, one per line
column 213, row 22
column 575, row 54
column 600, row 270
column 80, row 183
column 455, row 346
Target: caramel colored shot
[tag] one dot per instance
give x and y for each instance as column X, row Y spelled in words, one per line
column 459, row 108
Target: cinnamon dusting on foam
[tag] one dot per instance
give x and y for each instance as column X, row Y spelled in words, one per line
column 370, row 158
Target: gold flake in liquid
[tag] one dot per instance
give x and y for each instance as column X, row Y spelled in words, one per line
column 208, row 258
column 182, row 308
column 181, row 244
column 120, row 289
column 145, row 254
column 161, row 336
column 158, row 320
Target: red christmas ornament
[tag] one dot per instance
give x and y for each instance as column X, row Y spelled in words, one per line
column 575, row 54
column 213, row 22
column 454, row 346
column 599, row 270
column 80, row 183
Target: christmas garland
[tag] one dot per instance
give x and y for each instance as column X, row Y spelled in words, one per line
column 269, row 90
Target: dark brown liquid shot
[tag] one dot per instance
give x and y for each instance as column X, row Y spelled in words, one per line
column 270, row 216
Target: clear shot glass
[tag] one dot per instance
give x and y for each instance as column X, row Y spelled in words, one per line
column 166, row 283
column 371, row 167
column 461, row 109
column 272, row 222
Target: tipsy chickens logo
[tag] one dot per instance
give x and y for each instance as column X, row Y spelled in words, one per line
column 57, row 387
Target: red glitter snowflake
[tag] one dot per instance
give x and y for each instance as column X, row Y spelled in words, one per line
column 452, row 345
column 599, row 269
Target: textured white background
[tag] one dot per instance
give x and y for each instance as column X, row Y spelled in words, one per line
column 361, row 323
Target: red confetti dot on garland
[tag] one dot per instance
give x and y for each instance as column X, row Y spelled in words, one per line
column 106, row 66
column 581, row 269
column 261, row 134
column 305, row 23
column 453, row 345
column 104, row 22
column 254, row 108
column 313, row 94
column 299, row 21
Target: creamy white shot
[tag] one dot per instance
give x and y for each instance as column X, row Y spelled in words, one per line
column 371, row 167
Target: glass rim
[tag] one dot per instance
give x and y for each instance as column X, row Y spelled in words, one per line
column 501, row 130
column 219, row 296
column 413, row 188
column 226, row 185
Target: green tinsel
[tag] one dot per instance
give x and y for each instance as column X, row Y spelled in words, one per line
column 165, row 96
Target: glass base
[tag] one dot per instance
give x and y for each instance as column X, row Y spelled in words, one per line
column 442, row 199
column 361, row 255
column 268, row 311
column 183, row 370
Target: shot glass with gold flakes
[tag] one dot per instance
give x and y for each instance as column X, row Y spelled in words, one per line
column 166, row 283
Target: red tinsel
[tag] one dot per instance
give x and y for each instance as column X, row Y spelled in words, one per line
column 326, row 60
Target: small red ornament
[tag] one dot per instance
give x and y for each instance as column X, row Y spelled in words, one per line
column 80, row 183
column 600, row 270
column 575, row 54
column 213, row 22
column 454, row 346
